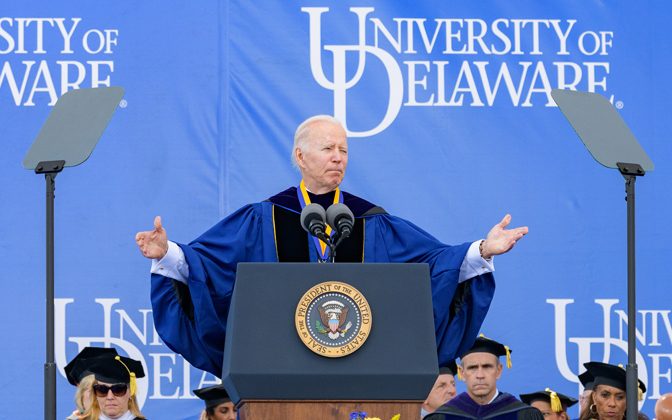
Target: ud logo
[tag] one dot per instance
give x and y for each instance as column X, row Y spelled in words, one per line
column 447, row 61
column 610, row 345
column 341, row 84
column 333, row 319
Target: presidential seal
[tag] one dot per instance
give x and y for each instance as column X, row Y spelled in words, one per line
column 333, row 319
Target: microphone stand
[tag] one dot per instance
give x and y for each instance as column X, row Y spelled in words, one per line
column 332, row 252
column 338, row 238
column 331, row 258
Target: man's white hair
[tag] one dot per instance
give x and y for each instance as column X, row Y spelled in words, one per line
column 303, row 133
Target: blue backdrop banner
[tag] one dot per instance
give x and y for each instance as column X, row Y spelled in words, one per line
column 451, row 125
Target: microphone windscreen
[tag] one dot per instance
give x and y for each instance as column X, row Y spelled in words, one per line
column 312, row 212
column 338, row 211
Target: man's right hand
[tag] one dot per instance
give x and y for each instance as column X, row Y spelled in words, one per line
column 153, row 243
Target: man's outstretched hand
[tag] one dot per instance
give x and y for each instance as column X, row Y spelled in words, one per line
column 500, row 239
column 153, row 243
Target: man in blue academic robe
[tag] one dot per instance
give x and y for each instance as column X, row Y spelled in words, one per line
column 192, row 284
column 480, row 368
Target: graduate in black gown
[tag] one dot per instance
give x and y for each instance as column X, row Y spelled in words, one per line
column 480, row 368
column 192, row 283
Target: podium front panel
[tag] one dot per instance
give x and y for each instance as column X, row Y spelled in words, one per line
column 264, row 357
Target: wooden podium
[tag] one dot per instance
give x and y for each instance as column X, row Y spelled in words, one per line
column 385, row 410
column 271, row 374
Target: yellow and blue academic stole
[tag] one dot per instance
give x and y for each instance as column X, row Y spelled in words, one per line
column 304, row 200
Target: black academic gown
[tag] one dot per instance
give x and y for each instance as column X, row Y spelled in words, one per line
column 504, row 407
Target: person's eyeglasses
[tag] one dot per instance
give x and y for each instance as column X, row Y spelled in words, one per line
column 119, row 390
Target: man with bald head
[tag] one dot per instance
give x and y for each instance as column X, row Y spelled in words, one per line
column 192, row 283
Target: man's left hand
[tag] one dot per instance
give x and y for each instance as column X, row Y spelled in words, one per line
column 500, row 239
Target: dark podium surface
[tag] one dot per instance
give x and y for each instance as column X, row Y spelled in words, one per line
column 265, row 359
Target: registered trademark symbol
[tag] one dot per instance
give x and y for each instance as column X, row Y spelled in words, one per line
column 123, row 103
column 619, row 104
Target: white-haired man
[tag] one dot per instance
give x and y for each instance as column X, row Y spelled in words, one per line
column 204, row 270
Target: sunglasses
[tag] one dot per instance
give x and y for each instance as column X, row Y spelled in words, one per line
column 119, row 390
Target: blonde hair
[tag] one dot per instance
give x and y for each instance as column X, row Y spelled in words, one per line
column 93, row 413
column 86, row 384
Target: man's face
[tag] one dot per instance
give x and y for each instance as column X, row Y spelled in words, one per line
column 442, row 392
column 548, row 413
column 323, row 157
column 480, row 371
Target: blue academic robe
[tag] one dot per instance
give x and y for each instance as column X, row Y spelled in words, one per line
column 191, row 319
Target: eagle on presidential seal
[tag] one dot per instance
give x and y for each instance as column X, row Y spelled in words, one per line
column 333, row 315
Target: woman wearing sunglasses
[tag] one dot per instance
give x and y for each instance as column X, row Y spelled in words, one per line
column 114, row 388
column 78, row 375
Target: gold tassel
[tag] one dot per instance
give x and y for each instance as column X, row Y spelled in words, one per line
column 459, row 373
column 556, row 405
column 508, row 357
column 132, row 383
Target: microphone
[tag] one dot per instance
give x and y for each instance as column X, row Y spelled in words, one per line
column 313, row 220
column 341, row 219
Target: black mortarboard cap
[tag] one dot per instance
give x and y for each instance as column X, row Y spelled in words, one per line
column 612, row 375
column 76, row 370
column 586, row 380
column 109, row 367
column 486, row 345
column 559, row 402
column 213, row 395
column 116, row 369
column 449, row 368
